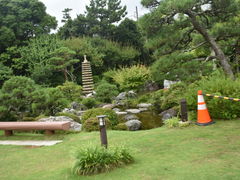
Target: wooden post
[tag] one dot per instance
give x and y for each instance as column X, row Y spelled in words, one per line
column 8, row 132
column 184, row 113
column 103, row 132
column 49, row 132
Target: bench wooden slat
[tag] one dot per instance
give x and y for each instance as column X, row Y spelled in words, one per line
column 34, row 125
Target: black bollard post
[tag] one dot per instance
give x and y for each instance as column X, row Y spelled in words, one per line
column 103, row 132
column 184, row 113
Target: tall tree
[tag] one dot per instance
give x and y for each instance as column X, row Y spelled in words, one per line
column 174, row 25
column 21, row 20
column 98, row 19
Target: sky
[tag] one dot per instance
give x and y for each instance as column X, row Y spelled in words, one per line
column 55, row 8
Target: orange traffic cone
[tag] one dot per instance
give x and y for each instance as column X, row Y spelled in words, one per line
column 203, row 115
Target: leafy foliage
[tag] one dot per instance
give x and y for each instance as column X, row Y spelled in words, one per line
column 171, row 123
column 93, row 160
column 92, row 124
column 89, row 102
column 92, row 113
column 71, row 91
column 132, row 78
column 16, row 95
column 105, row 92
column 21, row 20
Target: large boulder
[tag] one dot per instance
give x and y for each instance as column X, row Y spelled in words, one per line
column 133, row 125
column 168, row 114
column 74, row 125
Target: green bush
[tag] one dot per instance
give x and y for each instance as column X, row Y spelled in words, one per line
column 132, row 78
column 220, row 85
column 121, row 126
column 92, row 124
column 48, row 101
column 105, row 92
column 92, row 113
column 71, row 91
column 173, row 122
column 93, row 160
column 72, row 116
column 166, row 99
column 89, row 102
column 16, row 95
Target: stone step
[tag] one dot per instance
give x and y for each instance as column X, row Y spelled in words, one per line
column 87, row 83
column 87, row 88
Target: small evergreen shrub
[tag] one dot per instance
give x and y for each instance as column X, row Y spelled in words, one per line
column 121, row 126
column 171, row 123
column 71, row 91
column 132, row 78
column 105, row 92
column 93, row 160
column 89, row 102
column 111, row 115
column 72, row 116
column 92, row 124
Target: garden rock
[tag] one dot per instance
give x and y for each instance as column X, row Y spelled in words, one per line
column 129, row 117
column 131, row 94
column 167, row 84
column 121, row 96
column 144, row 105
column 74, row 126
column 143, row 109
column 109, row 106
column 133, row 111
column 116, row 109
column 75, row 106
column 121, row 113
column 151, row 86
column 168, row 114
column 133, row 125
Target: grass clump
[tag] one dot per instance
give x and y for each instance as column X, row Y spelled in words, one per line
column 94, row 160
column 171, row 123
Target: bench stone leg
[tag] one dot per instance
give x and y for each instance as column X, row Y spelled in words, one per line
column 8, row 132
column 49, row 132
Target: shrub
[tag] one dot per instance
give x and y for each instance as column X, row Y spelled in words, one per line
column 16, row 95
column 71, row 91
column 48, row 101
column 89, row 102
column 72, row 116
column 132, row 78
column 166, row 99
column 111, row 115
column 93, row 160
column 105, row 92
column 220, row 85
column 121, row 126
column 92, row 124
column 173, row 122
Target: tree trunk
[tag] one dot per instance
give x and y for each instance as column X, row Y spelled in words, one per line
column 65, row 74
column 217, row 50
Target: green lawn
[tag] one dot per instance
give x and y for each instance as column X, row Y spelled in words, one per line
column 211, row 152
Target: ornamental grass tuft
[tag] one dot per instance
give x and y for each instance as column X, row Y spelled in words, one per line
column 94, row 160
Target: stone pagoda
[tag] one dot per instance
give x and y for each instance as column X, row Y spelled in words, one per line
column 87, row 79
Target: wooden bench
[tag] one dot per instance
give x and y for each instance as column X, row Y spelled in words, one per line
column 49, row 127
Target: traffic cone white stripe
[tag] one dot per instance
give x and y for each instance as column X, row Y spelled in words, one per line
column 202, row 107
column 200, row 99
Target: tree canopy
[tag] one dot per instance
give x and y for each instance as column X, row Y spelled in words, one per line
column 21, row 20
column 190, row 25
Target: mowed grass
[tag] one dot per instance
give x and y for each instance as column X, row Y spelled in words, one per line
column 211, row 152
